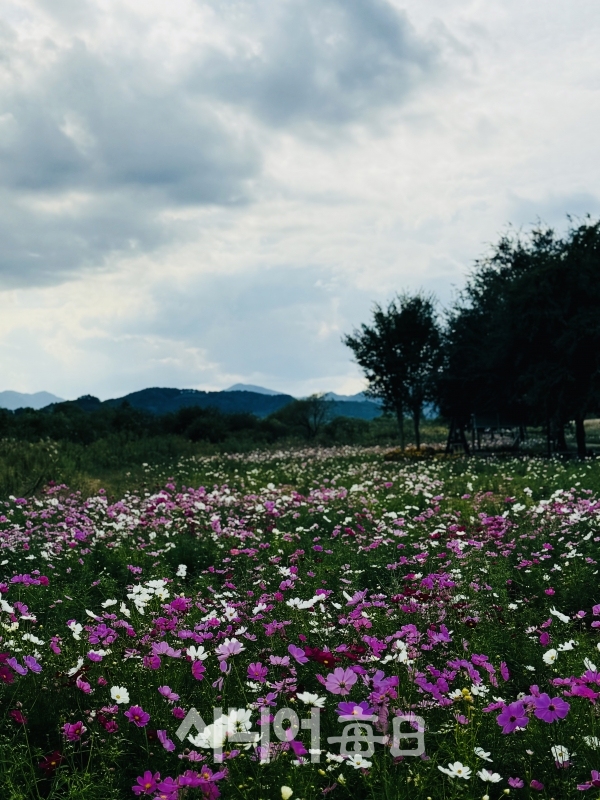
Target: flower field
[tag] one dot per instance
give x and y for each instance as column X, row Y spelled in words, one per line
column 325, row 612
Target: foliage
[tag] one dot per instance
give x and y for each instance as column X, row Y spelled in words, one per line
column 523, row 341
column 400, row 354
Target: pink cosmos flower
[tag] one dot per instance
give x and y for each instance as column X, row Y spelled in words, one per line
column 504, row 671
column 12, row 662
column 355, row 710
column 73, row 731
column 230, row 647
column 537, row 785
column 164, row 649
column 17, row 716
column 152, row 662
column 513, row 716
column 32, row 664
column 178, row 713
column 168, row 693
column 257, row 672
column 340, row 681
column 550, row 709
column 165, row 741
column 594, row 782
column 516, row 783
column 84, row 686
column 138, row 716
column 297, row 653
column 146, row 783
column 198, row 670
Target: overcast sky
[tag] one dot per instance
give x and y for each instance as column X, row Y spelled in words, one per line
column 196, row 193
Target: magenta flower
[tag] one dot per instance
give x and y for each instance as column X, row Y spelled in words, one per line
column 537, row 785
column 178, row 713
column 32, row 664
column 12, row 662
column 297, row 653
column 504, row 671
column 152, row 662
column 73, row 731
column 516, row 783
column 165, row 741
column 355, row 710
column 340, row 681
column 198, row 670
column 168, row 693
column 513, row 716
column 257, row 672
column 594, row 782
column 84, row 686
column 168, row 786
column 550, row 709
column 146, row 783
column 17, row 716
column 138, row 716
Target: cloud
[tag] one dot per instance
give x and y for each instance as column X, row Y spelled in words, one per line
column 105, row 126
column 320, row 62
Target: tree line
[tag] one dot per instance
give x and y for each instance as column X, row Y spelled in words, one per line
column 521, row 342
column 86, row 421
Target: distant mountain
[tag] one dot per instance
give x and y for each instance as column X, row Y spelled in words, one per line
column 13, row 400
column 165, row 401
column 357, row 409
column 249, row 387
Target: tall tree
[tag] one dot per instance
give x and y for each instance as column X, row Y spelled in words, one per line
column 524, row 337
column 400, row 353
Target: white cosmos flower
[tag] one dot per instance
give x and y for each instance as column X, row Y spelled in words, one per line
column 456, row 770
column 358, row 762
column 119, row 694
column 181, row 571
column 480, row 752
column 550, row 656
column 311, row 699
column 197, row 653
column 592, row 741
column 76, row 629
column 124, row 610
column 229, row 613
column 257, row 609
column 108, row 603
column 561, row 617
column 560, row 754
column 489, row 777
column 567, row 645
column 76, row 668
column 586, row 662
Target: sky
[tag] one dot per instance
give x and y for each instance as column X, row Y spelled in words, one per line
column 203, row 192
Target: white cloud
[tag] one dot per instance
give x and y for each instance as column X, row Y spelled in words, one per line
column 196, row 193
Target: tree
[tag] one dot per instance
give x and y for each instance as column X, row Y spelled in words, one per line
column 307, row 416
column 524, row 338
column 400, row 355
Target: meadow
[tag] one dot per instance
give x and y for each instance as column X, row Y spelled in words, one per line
column 295, row 596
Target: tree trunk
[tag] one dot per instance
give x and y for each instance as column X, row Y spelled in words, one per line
column 561, row 442
column 580, row 436
column 416, row 422
column 400, row 416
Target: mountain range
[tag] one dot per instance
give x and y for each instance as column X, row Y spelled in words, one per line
column 239, row 398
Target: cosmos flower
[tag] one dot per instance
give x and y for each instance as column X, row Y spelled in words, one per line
column 138, row 716
column 456, row 770
column 340, row 681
